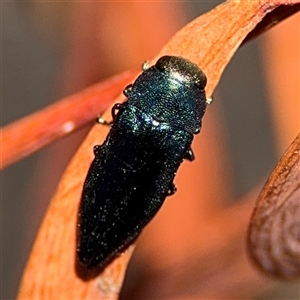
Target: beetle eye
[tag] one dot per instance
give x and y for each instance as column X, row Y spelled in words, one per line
column 163, row 63
column 201, row 81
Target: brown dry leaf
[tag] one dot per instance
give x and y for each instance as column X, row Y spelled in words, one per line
column 210, row 41
column 274, row 233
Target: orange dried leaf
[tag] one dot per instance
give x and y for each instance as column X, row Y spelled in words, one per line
column 210, row 41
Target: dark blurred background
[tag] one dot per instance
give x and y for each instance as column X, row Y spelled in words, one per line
column 53, row 49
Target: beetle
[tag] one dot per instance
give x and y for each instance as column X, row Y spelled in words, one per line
column 133, row 170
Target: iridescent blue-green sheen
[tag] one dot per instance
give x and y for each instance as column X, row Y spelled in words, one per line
column 133, row 170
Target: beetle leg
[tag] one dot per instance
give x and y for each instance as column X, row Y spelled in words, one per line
column 189, row 155
column 97, row 149
column 115, row 109
column 145, row 65
column 114, row 112
column 100, row 120
column 172, row 189
column 209, row 100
